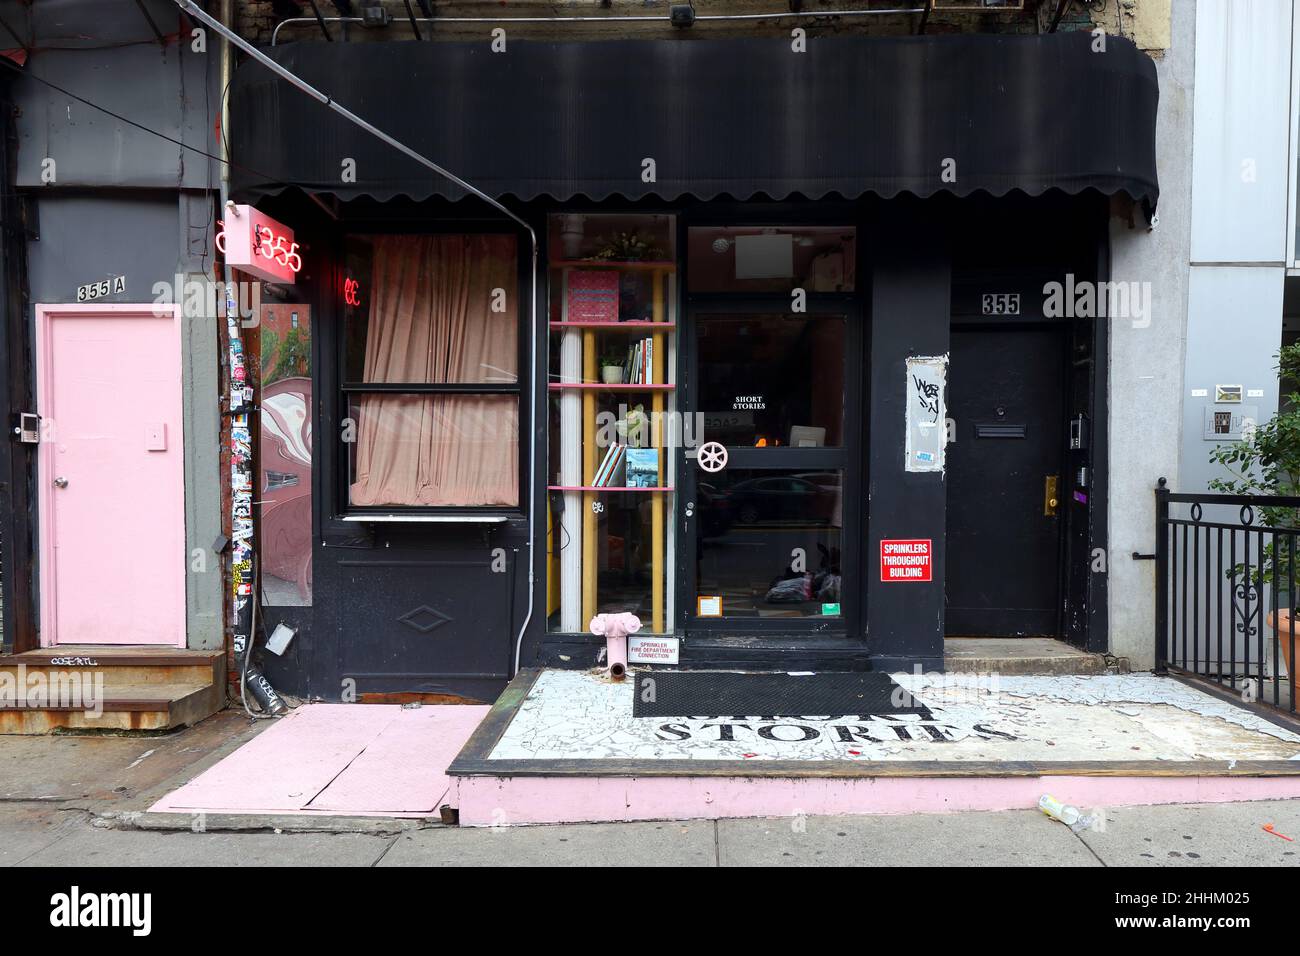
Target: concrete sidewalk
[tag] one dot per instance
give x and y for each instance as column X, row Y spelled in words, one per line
column 1194, row 835
column 82, row 801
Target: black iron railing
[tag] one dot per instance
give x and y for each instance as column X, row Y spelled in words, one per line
column 1225, row 589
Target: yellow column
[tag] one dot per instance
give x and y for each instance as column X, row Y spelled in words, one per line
column 657, row 375
column 589, row 550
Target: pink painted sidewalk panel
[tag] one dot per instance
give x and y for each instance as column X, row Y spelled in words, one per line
column 515, row 801
column 288, row 764
column 404, row 769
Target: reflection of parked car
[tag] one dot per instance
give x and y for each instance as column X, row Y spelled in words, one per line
column 715, row 510
column 826, row 480
column 286, row 482
column 780, row 498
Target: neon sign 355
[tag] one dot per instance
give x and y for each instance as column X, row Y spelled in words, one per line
column 276, row 248
column 252, row 241
column 267, row 243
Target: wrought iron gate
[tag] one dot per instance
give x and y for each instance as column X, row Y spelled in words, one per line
column 1225, row 568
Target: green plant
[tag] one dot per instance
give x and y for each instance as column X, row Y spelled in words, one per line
column 629, row 246
column 613, row 357
column 1266, row 461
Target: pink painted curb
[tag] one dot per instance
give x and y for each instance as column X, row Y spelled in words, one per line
column 512, row 801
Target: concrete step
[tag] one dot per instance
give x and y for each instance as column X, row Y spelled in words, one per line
column 121, row 665
column 109, row 688
column 147, row 706
column 1019, row 655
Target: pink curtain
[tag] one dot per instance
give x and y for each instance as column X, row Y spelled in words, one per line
column 433, row 319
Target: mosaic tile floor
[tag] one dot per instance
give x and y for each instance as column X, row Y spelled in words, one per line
column 1133, row 717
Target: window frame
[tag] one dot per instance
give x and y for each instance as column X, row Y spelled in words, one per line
column 855, row 306
column 345, row 391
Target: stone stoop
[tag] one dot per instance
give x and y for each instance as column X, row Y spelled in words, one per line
column 1022, row 656
column 144, row 688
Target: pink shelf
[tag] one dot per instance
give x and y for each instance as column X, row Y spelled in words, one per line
column 595, row 488
column 634, row 326
column 624, row 387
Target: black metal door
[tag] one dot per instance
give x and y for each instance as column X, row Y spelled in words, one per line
column 1005, row 487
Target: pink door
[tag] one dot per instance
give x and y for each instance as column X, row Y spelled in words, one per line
column 111, row 478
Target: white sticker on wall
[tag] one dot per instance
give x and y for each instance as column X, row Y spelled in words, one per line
column 926, row 432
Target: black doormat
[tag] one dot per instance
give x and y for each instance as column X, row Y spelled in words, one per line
column 731, row 694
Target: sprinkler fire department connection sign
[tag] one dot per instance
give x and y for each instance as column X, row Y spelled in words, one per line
column 905, row 559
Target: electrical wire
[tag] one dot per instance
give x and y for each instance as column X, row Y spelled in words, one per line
column 140, row 126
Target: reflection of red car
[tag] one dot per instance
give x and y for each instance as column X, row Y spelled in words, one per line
column 286, row 482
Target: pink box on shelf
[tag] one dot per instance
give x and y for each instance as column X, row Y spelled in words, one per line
column 593, row 295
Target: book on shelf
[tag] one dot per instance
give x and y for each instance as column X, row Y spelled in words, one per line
column 639, row 368
column 642, row 468
column 633, row 372
column 593, row 296
column 608, row 470
column 604, row 465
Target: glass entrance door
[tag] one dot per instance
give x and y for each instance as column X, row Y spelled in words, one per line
column 770, row 489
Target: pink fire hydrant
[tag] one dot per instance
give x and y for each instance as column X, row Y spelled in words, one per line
column 616, row 628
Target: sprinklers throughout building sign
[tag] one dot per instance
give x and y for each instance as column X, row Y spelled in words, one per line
column 905, row 559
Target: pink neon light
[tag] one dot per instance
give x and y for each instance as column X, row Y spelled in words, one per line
column 257, row 244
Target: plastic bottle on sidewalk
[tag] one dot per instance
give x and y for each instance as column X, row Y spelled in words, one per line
column 1059, row 811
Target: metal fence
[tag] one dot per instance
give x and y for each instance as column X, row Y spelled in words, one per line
column 1225, row 586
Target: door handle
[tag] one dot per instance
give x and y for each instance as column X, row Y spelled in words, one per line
column 60, row 482
column 1049, row 495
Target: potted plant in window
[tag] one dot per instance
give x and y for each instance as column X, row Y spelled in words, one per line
column 630, row 246
column 1266, row 461
column 611, row 367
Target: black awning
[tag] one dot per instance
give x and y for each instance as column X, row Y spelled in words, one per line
column 736, row 117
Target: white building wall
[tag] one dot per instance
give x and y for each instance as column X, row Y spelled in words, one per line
column 1241, row 170
column 1146, row 357
column 1241, row 131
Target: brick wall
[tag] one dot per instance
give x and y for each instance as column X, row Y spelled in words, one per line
column 256, row 19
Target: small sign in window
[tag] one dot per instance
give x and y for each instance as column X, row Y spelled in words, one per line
column 708, row 605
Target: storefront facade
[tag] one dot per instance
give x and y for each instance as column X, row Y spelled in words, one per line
column 811, row 379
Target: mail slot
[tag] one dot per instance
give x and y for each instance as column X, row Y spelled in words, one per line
column 1001, row 431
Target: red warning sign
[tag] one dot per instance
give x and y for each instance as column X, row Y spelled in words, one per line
column 905, row 559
